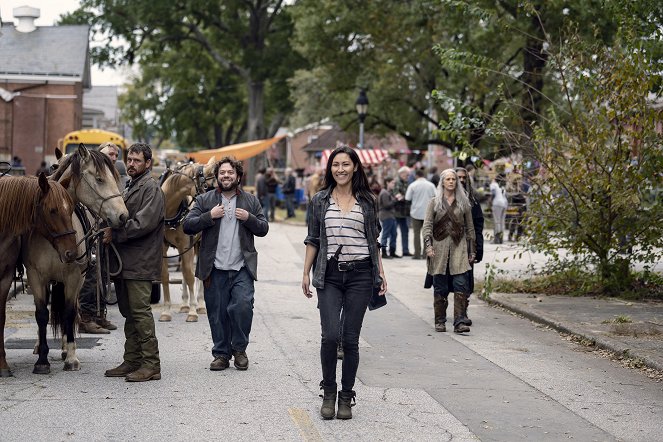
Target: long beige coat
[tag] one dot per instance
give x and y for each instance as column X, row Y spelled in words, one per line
column 446, row 250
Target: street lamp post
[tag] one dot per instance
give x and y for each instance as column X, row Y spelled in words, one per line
column 362, row 109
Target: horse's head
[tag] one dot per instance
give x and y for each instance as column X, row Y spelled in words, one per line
column 208, row 173
column 92, row 180
column 53, row 218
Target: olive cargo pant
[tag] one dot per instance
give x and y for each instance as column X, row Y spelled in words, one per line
column 141, row 347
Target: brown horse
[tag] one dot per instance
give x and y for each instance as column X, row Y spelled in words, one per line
column 91, row 179
column 30, row 206
column 179, row 188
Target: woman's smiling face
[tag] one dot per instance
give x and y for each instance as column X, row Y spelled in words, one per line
column 342, row 169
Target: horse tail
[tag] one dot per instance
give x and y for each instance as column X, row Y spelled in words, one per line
column 58, row 306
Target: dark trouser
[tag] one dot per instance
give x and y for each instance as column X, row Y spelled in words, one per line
column 442, row 284
column 417, row 224
column 403, row 227
column 88, row 295
column 141, row 347
column 264, row 200
column 229, row 300
column 351, row 291
column 388, row 234
column 290, row 204
column 272, row 206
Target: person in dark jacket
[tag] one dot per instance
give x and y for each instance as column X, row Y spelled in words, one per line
column 477, row 220
column 139, row 243
column 272, row 182
column 228, row 218
column 289, row 188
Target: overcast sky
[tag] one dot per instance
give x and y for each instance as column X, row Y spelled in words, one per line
column 50, row 11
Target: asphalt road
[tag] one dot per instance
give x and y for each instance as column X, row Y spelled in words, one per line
column 508, row 379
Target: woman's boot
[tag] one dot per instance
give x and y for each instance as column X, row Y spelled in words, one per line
column 460, row 325
column 440, row 304
column 468, row 321
column 328, row 409
column 346, row 401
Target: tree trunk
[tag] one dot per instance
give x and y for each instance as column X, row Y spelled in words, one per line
column 256, row 123
column 534, row 62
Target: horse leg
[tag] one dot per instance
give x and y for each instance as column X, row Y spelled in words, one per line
column 5, row 284
column 165, row 316
column 42, row 366
column 188, row 279
column 71, row 362
column 200, row 296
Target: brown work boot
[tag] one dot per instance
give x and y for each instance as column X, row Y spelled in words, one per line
column 460, row 321
column 105, row 323
column 144, row 374
column 219, row 363
column 241, row 360
column 440, row 304
column 121, row 371
column 87, row 325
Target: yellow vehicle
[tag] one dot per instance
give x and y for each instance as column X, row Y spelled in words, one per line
column 92, row 138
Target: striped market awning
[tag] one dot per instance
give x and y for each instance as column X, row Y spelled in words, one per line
column 367, row 156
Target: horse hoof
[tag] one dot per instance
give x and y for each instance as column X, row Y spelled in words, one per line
column 201, row 310
column 192, row 318
column 42, row 369
column 72, row 366
column 6, row 373
column 165, row 317
column 184, row 309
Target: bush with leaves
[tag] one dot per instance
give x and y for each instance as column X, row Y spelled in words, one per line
column 601, row 156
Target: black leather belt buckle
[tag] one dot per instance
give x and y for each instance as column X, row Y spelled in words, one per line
column 345, row 266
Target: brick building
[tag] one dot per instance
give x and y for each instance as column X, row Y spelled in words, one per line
column 43, row 72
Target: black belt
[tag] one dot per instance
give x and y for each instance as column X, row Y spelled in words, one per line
column 348, row 266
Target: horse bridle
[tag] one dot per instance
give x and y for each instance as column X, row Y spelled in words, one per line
column 103, row 199
column 51, row 234
column 200, row 183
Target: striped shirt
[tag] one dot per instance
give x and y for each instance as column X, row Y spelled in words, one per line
column 347, row 230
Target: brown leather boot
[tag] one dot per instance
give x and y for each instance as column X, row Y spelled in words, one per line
column 440, row 304
column 105, row 323
column 121, row 370
column 88, row 325
column 144, row 374
column 460, row 325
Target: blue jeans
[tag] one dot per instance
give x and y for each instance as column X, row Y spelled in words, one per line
column 402, row 225
column 350, row 291
column 264, row 200
column 229, row 300
column 388, row 234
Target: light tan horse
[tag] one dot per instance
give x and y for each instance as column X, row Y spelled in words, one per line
column 30, row 206
column 90, row 179
column 180, row 186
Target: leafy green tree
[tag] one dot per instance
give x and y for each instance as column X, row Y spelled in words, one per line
column 599, row 193
column 247, row 40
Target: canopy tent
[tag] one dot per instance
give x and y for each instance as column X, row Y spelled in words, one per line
column 368, row 157
column 241, row 151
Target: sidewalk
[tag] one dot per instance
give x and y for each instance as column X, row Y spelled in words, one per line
column 598, row 321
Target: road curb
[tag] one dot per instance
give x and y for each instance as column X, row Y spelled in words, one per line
column 599, row 341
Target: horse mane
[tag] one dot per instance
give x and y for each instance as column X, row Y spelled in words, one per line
column 19, row 197
column 73, row 162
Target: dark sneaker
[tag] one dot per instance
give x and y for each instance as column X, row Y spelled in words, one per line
column 144, row 374
column 407, row 254
column 241, row 360
column 219, row 363
column 121, row 371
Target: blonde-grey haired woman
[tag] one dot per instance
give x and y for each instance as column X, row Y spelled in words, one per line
column 449, row 243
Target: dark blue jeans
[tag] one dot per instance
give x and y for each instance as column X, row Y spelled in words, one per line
column 388, row 234
column 350, row 291
column 403, row 227
column 290, row 204
column 229, row 300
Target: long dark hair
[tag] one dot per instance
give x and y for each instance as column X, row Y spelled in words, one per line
column 360, row 186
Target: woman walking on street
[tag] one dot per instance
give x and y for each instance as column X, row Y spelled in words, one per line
column 449, row 242
column 342, row 248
